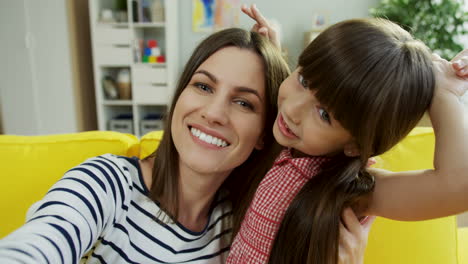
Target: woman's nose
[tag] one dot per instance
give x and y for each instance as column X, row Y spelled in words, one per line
column 215, row 112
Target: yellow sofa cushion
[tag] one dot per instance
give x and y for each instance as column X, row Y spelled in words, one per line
column 429, row 242
column 149, row 143
column 31, row 164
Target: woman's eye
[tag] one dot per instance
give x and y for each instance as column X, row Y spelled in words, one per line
column 303, row 81
column 324, row 115
column 203, row 87
column 245, row 104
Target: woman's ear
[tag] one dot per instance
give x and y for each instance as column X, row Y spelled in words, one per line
column 351, row 149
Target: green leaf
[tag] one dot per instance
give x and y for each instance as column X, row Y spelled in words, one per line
column 436, row 23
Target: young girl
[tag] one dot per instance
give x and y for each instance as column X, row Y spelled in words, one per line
column 360, row 87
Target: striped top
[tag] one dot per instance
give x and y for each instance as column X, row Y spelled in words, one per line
column 99, row 212
column 276, row 191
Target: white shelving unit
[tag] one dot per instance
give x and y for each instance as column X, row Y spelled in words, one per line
column 117, row 45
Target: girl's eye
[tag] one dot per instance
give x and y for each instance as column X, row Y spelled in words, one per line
column 203, row 87
column 303, row 81
column 324, row 115
column 245, row 104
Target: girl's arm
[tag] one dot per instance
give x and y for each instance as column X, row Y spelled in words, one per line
column 68, row 221
column 443, row 191
column 263, row 26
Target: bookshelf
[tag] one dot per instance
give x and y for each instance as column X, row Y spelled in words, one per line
column 135, row 62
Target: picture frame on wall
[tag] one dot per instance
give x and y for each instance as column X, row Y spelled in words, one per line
column 320, row 21
column 212, row 15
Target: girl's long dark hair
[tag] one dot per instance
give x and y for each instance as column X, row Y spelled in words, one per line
column 377, row 82
column 309, row 232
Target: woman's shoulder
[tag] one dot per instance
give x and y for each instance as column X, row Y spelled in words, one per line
column 110, row 168
column 100, row 186
column 110, row 161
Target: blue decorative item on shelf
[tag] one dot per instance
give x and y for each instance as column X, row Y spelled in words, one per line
column 147, row 51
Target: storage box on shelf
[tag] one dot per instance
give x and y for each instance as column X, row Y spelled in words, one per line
column 135, row 57
column 151, row 122
column 150, row 116
column 122, row 124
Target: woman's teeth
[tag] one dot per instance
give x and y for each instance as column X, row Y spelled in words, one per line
column 207, row 138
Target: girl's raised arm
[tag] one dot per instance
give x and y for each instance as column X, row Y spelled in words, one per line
column 263, row 26
column 443, row 191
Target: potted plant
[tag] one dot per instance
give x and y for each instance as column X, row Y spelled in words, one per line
column 437, row 23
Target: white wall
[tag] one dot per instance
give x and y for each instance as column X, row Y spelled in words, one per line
column 36, row 91
column 18, row 103
column 295, row 17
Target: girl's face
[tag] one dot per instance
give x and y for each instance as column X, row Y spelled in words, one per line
column 305, row 125
column 218, row 119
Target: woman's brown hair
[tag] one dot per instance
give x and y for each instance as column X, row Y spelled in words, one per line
column 164, row 186
column 377, row 82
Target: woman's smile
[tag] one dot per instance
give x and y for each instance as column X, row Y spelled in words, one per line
column 208, row 139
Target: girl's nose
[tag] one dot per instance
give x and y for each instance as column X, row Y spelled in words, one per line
column 215, row 112
column 296, row 105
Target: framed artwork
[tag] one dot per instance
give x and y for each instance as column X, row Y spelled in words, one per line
column 319, row 21
column 212, row 15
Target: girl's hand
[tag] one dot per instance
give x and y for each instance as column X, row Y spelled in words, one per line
column 460, row 64
column 353, row 237
column 451, row 76
column 264, row 27
column 370, row 162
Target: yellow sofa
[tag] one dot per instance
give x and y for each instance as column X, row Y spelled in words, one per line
column 29, row 165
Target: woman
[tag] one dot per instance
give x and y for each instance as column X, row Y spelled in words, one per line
column 174, row 206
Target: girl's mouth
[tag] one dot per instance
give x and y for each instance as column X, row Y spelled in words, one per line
column 283, row 127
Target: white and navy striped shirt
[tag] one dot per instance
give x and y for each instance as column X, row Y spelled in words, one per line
column 99, row 212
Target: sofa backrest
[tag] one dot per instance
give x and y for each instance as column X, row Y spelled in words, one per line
column 30, row 165
column 429, row 242
column 149, row 143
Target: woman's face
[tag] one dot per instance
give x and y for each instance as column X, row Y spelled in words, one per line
column 219, row 117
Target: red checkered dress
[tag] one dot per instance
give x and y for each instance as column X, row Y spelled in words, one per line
column 273, row 196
